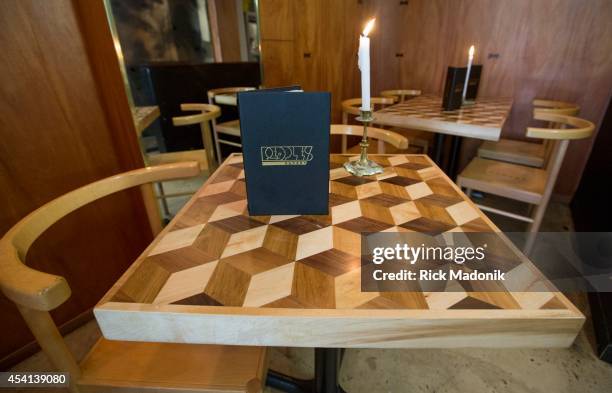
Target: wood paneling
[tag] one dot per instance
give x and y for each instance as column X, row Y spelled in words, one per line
column 65, row 123
column 276, row 20
column 556, row 49
column 277, row 62
column 225, row 27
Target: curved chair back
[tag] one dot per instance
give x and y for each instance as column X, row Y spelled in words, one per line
column 558, row 107
column 207, row 113
column 352, row 106
column 400, row 95
column 554, row 107
column 36, row 293
column 382, row 136
column 580, row 129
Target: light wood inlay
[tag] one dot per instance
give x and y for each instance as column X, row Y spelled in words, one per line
column 296, row 280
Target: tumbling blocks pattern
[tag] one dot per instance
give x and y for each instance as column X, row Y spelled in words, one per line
column 215, row 254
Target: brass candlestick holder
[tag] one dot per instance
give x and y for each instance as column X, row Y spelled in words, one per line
column 363, row 166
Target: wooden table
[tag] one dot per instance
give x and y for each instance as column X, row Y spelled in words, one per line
column 482, row 120
column 143, row 116
column 217, row 275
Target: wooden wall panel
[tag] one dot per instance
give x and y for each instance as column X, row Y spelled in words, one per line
column 276, row 29
column 556, row 49
column 276, row 20
column 225, row 28
column 59, row 132
column 277, row 63
column 308, row 36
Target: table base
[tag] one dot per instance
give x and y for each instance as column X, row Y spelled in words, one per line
column 327, row 366
column 450, row 166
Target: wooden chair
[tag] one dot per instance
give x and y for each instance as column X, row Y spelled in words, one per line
column 416, row 137
column 522, row 183
column 231, row 127
column 204, row 157
column 116, row 365
column 382, row 136
column 352, row 106
column 400, row 95
column 527, row 153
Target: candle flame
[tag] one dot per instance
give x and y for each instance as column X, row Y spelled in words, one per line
column 368, row 27
column 471, row 52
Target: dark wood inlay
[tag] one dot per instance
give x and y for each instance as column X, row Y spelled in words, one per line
column 364, row 225
column 333, row 262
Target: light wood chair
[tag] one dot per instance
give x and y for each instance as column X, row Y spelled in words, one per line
column 352, row 106
column 416, row 137
column 117, row 365
column 400, row 95
column 231, row 127
column 522, row 183
column 382, row 136
column 527, row 153
column 204, row 157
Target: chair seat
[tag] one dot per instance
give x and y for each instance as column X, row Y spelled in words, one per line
column 517, row 152
column 141, row 367
column 180, row 156
column 229, row 128
column 518, row 182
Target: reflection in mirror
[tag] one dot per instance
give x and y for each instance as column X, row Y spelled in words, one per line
column 182, row 51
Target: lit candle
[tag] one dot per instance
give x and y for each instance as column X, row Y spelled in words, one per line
column 364, row 65
column 467, row 74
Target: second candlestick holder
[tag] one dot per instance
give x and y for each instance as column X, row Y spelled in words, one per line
column 363, row 166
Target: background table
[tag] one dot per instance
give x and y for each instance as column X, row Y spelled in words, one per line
column 218, row 275
column 482, row 120
column 143, row 116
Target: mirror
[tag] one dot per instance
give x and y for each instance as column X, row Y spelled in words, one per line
column 175, row 52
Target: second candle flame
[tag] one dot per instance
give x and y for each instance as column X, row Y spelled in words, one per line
column 368, row 27
column 471, row 51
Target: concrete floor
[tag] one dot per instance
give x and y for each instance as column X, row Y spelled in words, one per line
column 576, row 369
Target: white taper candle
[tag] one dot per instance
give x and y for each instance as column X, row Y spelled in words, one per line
column 364, row 65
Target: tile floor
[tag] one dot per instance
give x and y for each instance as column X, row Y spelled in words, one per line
column 576, row 369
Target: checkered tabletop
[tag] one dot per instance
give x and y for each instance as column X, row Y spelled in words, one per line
column 215, row 260
column 484, row 119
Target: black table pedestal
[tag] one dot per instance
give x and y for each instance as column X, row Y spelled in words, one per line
column 327, row 366
column 439, row 150
column 450, row 166
column 454, row 157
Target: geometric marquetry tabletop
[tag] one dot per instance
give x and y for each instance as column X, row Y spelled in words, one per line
column 217, row 275
column 483, row 119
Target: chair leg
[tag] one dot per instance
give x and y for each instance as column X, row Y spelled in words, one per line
column 217, row 146
column 53, row 345
column 534, row 228
column 163, row 199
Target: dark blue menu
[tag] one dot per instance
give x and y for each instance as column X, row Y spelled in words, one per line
column 285, row 144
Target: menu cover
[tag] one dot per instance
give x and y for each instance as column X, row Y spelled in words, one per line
column 285, row 146
column 453, row 89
